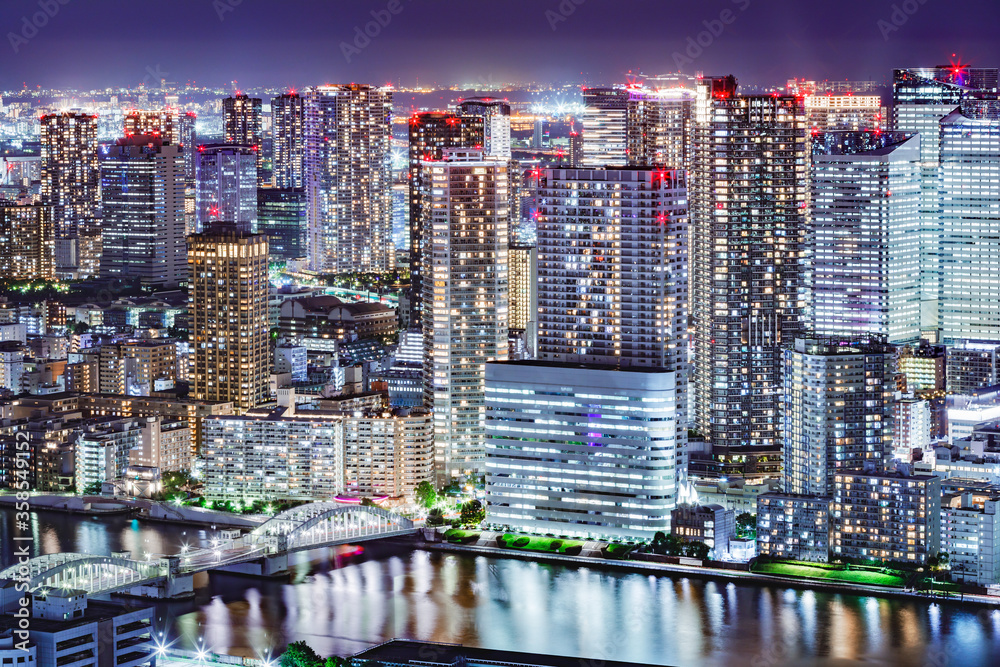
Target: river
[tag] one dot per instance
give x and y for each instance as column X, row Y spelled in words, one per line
column 341, row 602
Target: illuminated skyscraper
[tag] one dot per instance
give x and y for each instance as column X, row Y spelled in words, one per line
column 466, row 293
column 142, row 193
column 496, row 123
column 281, row 216
column 242, row 124
column 864, row 235
column 523, row 260
column 228, row 315
column 162, row 123
column 188, row 138
column 921, row 97
column 969, row 219
column 748, row 199
column 70, row 186
column 831, row 113
column 613, row 272
column 429, row 135
column 27, row 244
column 348, row 176
column 226, row 186
column 288, row 142
column 605, row 122
column 836, row 409
column 658, row 127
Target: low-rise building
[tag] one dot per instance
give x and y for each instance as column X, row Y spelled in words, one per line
column 733, row 494
column 886, row 515
column 68, row 629
column 712, row 524
column 296, row 452
column 970, row 535
column 794, row 527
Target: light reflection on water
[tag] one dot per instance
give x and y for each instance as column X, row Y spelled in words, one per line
column 341, row 605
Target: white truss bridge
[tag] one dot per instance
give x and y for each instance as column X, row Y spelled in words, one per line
column 310, row 526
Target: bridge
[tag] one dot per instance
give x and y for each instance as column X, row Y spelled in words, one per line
column 264, row 552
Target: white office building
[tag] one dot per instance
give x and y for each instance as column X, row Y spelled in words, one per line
column 970, row 216
column 970, row 535
column 583, row 451
column 864, row 234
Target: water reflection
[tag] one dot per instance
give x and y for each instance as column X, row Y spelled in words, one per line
column 341, row 604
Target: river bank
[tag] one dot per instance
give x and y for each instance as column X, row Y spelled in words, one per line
column 146, row 510
column 706, row 573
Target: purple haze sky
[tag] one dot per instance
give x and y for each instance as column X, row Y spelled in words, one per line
column 96, row 43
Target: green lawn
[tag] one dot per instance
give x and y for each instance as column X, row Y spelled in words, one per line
column 545, row 544
column 456, row 536
column 821, row 571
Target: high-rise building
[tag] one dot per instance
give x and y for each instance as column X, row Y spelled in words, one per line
column 923, row 367
column 288, row 143
column 242, row 124
column 187, row 138
column 227, row 279
column 70, row 185
column 27, row 243
column 837, row 113
column 281, row 217
column 576, row 148
column 162, row 123
column 142, row 194
column 348, row 178
column 969, row 216
column 748, row 199
column 864, row 235
column 921, row 98
column 605, row 127
column 658, row 127
column 568, row 452
column 970, row 535
column 429, row 135
column 612, row 272
column 496, row 123
column 972, row 366
column 836, row 410
column 226, row 186
column 911, row 428
column 466, row 295
column 523, row 314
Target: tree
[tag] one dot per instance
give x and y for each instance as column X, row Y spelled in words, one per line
column 746, row 525
column 426, row 495
column 300, row 654
column 435, row 517
column 473, row 512
column 92, row 489
column 695, row 549
column 335, row 661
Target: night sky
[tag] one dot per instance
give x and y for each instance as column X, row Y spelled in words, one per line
column 97, row 43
